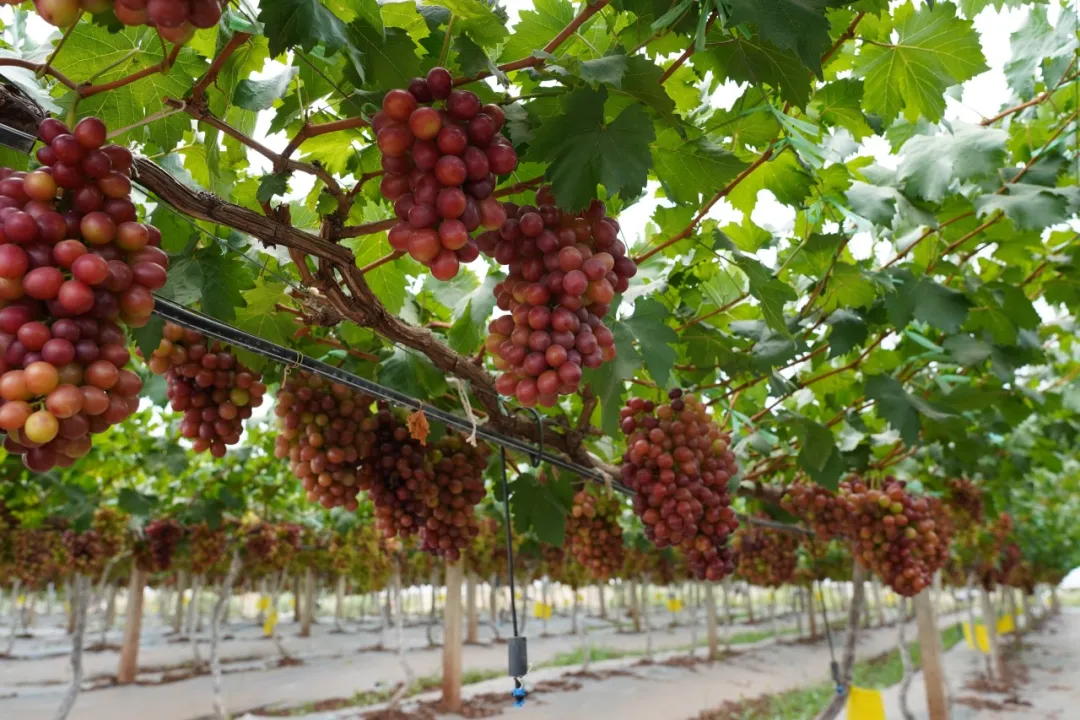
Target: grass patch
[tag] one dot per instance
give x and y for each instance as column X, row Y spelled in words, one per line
column 805, row 703
column 596, row 654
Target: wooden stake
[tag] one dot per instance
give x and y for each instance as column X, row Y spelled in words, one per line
column 932, row 666
column 178, row 612
column 990, row 620
column 710, row 614
column 473, row 634
column 452, row 651
column 307, row 613
column 129, row 653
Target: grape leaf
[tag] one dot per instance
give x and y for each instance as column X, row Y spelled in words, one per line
column 470, row 327
column 225, row 277
column 689, row 168
column 641, row 81
column 656, row 341
column 797, row 25
column 608, row 382
column 388, row 60
column 476, row 19
column 783, row 176
column 935, row 50
column 536, row 27
column 271, row 186
column 930, row 164
column 901, row 409
column 262, row 318
column 260, row 94
column 752, row 60
column 387, row 281
column 940, row 306
column 840, row 104
column 584, row 150
column 473, row 60
column 817, row 445
column 1040, row 44
column 769, row 291
column 411, row 373
column 848, row 287
column 1031, row 207
column 542, row 509
column 303, row 24
column 849, row 331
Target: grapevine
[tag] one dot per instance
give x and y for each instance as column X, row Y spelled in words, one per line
column 818, row 507
column 442, row 152
column 73, row 262
column 678, row 463
column 564, row 271
column 215, row 391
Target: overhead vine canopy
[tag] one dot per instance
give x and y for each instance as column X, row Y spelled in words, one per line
column 918, row 307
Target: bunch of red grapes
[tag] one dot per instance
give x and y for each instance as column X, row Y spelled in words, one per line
column 89, row 551
column 764, row 556
column 38, row 556
column 901, row 538
column 818, row 507
column 965, row 502
column 163, row 536
column 593, row 535
column 564, row 270
column 996, row 555
column 215, row 391
column 74, row 262
column 442, row 152
column 206, row 547
column 326, row 433
column 269, row 546
column 678, row 463
column 430, row 492
column 175, row 20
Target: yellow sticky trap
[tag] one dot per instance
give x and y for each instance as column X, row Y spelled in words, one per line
column 21, row 600
column 263, row 603
column 270, row 624
column 981, row 637
column 542, row 611
column 674, row 605
column 1006, row 624
column 864, row 704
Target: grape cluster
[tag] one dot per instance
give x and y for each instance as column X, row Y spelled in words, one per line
column 38, row 556
column 965, row 502
column 163, row 536
column 900, row 537
column 678, row 463
column 326, row 433
column 89, row 551
column 593, row 535
column 206, row 547
column 563, row 272
column 215, row 391
column 73, row 262
column 818, row 507
column 430, row 492
column 765, row 557
column 269, row 547
column 175, row 20
column 442, row 152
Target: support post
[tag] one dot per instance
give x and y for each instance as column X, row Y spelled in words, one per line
column 932, row 666
column 452, row 651
column 129, row 653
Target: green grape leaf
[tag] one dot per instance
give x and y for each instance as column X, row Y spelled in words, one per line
column 752, row 60
column 1040, row 44
column 262, row 318
column 769, row 291
column 656, row 340
column 303, row 24
column 410, row 372
column 608, row 382
column 940, row 306
column 472, row 313
column 1031, row 207
column 584, row 150
column 387, row 60
column 817, row 444
column 473, row 60
column 839, row 104
column 542, row 509
column 476, row 19
column 796, row 25
column 537, row 27
column 930, row 164
column 935, row 50
column 260, row 94
column 271, row 186
column 849, row 331
column 687, row 169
